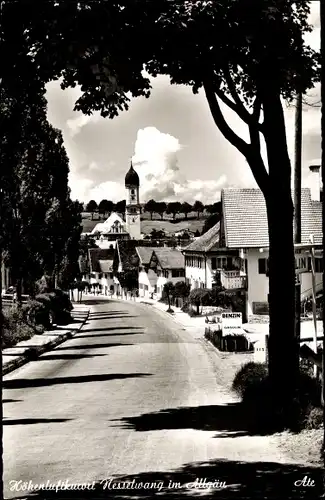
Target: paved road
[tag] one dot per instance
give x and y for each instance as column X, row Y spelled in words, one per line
column 131, row 394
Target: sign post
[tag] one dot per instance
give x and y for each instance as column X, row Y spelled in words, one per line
column 231, row 323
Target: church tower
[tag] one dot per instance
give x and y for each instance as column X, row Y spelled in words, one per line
column 132, row 211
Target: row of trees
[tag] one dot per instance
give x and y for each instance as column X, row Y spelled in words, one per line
column 40, row 224
column 105, row 207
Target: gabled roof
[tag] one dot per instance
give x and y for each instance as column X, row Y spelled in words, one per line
column 206, row 242
column 128, row 257
column 106, row 226
column 245, row 218
column 169, row 258
column 99, row 254
column 144, row 254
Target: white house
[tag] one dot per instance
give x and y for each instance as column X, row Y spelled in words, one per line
column 106, row 233
column 101, row 269
column 238, row 247
column 205, row 256
column 147, row 276
column 169, row 265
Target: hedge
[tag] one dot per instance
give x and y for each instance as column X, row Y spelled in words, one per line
column 15, row 328
column 252, row 384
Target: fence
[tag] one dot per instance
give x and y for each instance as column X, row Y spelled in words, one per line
column 228, row 343
column 8, row 300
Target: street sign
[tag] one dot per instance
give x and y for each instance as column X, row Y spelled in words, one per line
column 231, row 323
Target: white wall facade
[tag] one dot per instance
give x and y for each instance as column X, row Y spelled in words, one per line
column 147, row 281
column 161, row 280
column 306, row 284
column 258, row 283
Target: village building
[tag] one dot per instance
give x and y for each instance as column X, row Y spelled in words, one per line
column 148, row 266
column 237, row 247
column 98, row 270
column 168, row 265
column 115, row 228
column 147, row 276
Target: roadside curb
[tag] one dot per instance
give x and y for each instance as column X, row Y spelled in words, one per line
column 32, row 353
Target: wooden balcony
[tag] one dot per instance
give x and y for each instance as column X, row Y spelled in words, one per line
column 233, row 280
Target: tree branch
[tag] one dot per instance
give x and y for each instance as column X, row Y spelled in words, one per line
column 220, row 121
column 255, row 160
column 250, row 151
column 240, row 109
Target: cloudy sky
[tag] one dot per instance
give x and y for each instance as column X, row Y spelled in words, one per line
column 175, row 145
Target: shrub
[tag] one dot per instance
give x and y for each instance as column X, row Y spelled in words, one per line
column 235, row 343
column 36, row 314
column 63, row 299
column 192, row 312
column 253, row 385
column 314, row 418
column 15, row 328
column 58, row 306
column 248, row 375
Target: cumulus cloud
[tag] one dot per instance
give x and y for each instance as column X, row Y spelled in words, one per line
column 155, row 159
column 76, row 124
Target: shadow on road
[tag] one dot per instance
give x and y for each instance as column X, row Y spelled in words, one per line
column 238, row 480
column 100, row 314
column 116, row 334
column 28, row 421
column 90, row 346
column 111, row 316
column 108, row 329
column 60, row 357
column 231, row 419
column 37, row 382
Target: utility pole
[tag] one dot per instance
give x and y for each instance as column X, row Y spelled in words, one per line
column 297, row 205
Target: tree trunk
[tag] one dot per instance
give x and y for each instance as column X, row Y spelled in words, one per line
column 19, row 291
column 151, row 214
column 283, row 346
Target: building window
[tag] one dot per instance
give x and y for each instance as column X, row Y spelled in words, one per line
column 318, row 265
column 214, row 263
column 262, row 266
column 132, row 191
column 146, row 287
column 106, row 275
column 100, row 275
column 178, row 273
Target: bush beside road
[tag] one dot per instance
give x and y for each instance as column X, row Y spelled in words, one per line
column 35, row 345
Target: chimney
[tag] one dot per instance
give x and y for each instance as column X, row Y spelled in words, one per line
column 316, row 187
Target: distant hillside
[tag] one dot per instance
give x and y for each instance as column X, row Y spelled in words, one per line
column 147, row 225
column 164, row 225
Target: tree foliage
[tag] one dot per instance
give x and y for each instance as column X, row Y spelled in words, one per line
column 174, row 207
column 186, row 208
column 198, row 207
column 150, row 207
column 161, row 208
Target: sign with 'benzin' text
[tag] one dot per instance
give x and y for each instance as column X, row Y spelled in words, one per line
column 231, row 323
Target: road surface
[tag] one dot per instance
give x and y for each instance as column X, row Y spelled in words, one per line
column 131, row 394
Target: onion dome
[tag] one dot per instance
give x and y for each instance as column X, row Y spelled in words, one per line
column 132, row 178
